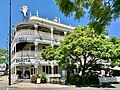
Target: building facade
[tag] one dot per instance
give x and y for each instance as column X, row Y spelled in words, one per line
column 29, row 39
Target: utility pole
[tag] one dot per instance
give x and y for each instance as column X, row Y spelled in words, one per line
column 10, row 43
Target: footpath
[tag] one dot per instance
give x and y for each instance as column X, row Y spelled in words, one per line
column 4, row 80
column 30, row 85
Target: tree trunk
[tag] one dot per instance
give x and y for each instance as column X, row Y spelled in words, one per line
column 83, row 71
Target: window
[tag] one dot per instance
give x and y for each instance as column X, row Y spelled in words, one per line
column 43, row 47
column 46, row 69
column 49, row 69
column 32, row 48
column 43, row 68
column 32, row 71
column 55, row 69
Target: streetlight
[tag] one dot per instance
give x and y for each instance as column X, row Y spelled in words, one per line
column 10, row 44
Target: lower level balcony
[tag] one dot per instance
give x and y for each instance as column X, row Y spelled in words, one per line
column 25, row 54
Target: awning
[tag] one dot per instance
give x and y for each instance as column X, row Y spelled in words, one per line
column 7, row 62
column 116, row 68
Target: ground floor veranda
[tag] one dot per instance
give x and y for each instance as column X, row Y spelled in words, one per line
column 25, row 71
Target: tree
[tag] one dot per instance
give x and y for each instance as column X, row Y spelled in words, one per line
column 102, row 12
column 85, row 48
column 48, row 53
column 116, row 58
column 3, row 55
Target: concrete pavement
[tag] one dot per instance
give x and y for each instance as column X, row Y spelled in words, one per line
column 30, row 85
column 4, row 80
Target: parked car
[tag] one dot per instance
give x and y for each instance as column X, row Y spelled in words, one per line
column 2, row 72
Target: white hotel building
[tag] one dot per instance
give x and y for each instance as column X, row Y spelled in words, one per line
column 28, row 40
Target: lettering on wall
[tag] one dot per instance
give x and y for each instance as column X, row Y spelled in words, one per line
column 22, row 39
column 22, row 60
column 25, row 39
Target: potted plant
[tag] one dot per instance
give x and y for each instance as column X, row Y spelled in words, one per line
column 34, row 78
column 43, row 77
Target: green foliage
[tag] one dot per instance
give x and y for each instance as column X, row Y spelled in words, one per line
column 86, row 80
column 116, row 58
column 86, row 47
column 34, row 78
column 101, row 12
column 43, row 77
column 3, row 55
column 48, row 53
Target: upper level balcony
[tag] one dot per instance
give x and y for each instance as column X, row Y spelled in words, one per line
column 25, row 32
column 44, row 35
column 30, row 32
column 58, row 37
column 22, row 36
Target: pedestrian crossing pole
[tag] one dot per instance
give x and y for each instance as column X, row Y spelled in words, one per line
column 10, row 43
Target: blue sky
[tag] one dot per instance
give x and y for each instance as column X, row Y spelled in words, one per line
column 47, row 9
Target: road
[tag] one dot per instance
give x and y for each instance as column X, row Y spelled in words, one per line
column 83, row 88
column 6, row 87
column 44, row 89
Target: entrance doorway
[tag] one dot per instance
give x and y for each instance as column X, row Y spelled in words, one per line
column 27, row 74
column 33, row 70
column 19, row 73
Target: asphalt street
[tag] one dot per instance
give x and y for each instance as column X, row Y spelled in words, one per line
column 6, row 87
column 69, row 88
column 42, row 89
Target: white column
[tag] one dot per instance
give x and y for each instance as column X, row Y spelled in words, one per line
column 52, row 68
column 52, row 44
column 15, row 70
column 36, row 49
column 36, row 43
column 15, row 47
column 65, row 32
column 36, row 27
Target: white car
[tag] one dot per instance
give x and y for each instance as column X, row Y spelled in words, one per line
column 1, row 72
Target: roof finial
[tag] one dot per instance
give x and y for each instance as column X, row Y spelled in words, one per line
column 30, row 14
column 59, row 20
column 55, row 19
column 37, row 13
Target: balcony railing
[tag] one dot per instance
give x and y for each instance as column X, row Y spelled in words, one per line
column 39, row 54
column 58, row 37
column 45, row 35
column 25, row 32
column 25, row 54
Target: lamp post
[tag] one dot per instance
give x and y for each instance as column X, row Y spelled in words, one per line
column 10, row 44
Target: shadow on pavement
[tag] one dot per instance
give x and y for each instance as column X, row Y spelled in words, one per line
column 17, row 81
column 105, row 85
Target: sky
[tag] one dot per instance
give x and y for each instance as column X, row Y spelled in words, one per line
column 47, row 9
